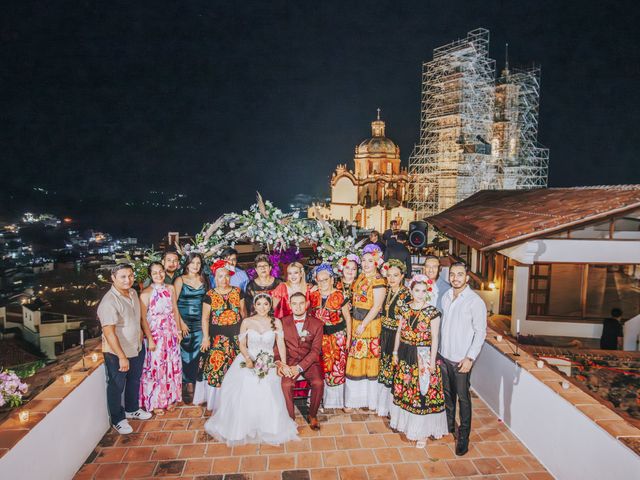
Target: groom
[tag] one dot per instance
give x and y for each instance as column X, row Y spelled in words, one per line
column 303, row 339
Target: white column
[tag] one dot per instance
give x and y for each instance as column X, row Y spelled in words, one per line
column 520, row 297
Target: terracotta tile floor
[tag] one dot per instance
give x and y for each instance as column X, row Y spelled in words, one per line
column 348, row 447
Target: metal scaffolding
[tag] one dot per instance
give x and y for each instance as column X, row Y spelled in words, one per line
column 515, row 130
column 475, row 134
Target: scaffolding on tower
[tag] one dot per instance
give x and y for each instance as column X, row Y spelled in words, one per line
column 475, row 134
column 515, row 133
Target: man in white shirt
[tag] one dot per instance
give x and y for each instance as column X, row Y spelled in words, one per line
column 462, row 334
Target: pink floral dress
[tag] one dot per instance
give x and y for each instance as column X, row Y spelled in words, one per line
column 161, row 381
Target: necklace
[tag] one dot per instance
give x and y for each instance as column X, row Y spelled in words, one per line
column 221, row 293
column 414, row 320
column 390, row 300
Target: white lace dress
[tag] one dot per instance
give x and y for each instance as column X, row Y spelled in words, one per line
column 251, row 409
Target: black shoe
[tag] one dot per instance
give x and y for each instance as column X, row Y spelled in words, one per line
column 454, row 431
column 462, row 446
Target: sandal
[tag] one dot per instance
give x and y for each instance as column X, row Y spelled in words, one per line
column 159, row 412
column 421, row 444
column 171, row 407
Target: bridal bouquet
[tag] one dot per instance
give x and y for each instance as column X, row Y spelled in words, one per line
column 262, row 364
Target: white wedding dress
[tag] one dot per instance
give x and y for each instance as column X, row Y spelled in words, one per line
column 252, row 410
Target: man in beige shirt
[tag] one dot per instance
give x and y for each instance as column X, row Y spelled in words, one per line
column 119, row 315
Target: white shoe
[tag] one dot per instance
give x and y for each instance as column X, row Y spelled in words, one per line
column 139, row 415
column 123, row 427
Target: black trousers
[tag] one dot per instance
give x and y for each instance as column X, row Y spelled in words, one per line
column 119, row 382
column 456, row 390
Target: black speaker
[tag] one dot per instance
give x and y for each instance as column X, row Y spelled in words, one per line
column 418, row 234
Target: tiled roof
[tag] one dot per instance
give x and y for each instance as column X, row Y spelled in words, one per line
column 496, row 218
column 12, row 354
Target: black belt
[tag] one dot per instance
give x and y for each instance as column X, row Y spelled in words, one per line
column 331, row 329
column 228, row 331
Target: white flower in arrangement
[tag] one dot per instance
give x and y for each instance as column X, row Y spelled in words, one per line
column 232, row 225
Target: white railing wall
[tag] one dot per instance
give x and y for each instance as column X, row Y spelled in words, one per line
column 631, row 334
column 59, row 444
column 569, row 444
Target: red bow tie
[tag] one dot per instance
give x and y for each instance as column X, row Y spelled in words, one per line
column 298, row 321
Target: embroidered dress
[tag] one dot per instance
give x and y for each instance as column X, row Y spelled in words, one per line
column 334, row 345
column 393, row 304
column 190, row 308
column 223, row 331
column 361, row 388
column 345, row 288
column 418, row 413
column 161, row 381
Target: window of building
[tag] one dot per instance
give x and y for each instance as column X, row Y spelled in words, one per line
column 613, row 286
column 564, row 290
column 464, row 253
column 584, row 291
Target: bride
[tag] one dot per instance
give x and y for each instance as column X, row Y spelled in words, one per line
column 252, row 407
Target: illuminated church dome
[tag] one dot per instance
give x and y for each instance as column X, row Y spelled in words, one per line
column 378, row 154
column 374, row 192
column 377, row 145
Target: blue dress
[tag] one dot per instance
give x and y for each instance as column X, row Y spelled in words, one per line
column 190, row 308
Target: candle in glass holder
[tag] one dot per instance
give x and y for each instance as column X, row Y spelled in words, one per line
column 565, row 385
column 24, row 416
column 94, row 357
column 66, row 378
column 540, row 364
column 82, row 337
column 499, row 338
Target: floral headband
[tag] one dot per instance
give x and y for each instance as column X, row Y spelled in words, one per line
column 421, row 278
column 344, row 260
column 323, row 267
column 375, row 251
column 394, row 262
column 218, row 264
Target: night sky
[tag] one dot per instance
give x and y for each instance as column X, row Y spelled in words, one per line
column 103, row 101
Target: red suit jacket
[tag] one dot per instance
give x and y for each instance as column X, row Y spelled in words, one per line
column 303, row 351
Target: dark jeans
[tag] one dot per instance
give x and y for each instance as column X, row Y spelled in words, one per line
column 456, row 388
column 127, row 382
